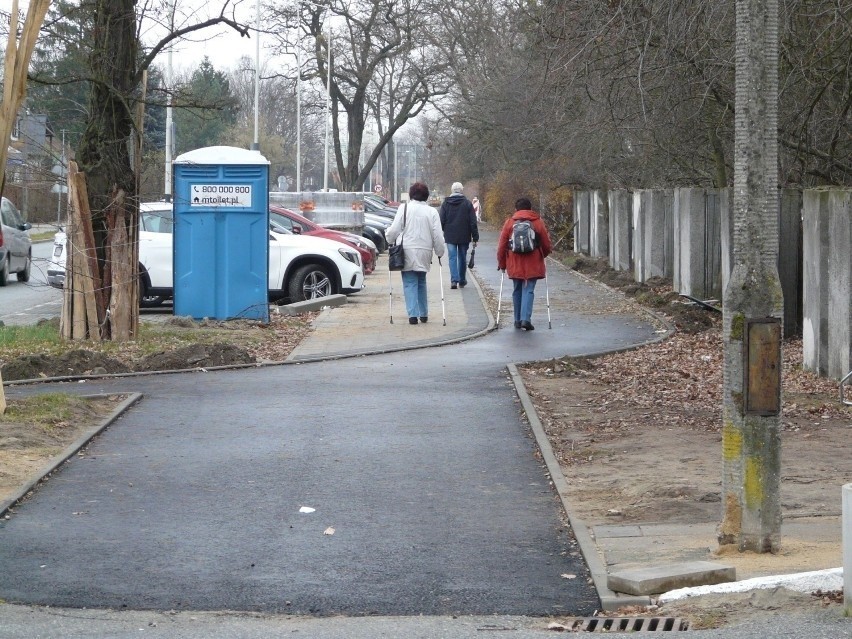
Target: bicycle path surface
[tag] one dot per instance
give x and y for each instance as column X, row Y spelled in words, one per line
column 426, row 491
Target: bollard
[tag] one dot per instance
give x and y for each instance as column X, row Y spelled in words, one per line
column 847, row 550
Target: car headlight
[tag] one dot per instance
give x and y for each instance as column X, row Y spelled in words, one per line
column 349, row 254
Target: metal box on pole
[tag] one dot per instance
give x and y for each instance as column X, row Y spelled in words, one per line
column 221, row 234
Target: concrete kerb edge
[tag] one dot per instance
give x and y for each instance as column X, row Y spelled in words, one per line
column 610, row 601
column 71, row 450
column 319, row 358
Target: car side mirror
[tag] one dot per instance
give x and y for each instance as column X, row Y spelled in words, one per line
column 297, row 230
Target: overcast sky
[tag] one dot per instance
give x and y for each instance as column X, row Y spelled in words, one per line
column 223, row 46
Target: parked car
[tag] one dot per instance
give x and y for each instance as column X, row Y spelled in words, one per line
column 379, row 199
column 300, row 267
column 375, row 235
column 300, row 225
column 374, row 208
column 16, row 253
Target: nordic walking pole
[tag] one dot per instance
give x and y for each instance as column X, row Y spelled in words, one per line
column 390, row 296
column 441, row 274
column 547, row 297
column 500, row 297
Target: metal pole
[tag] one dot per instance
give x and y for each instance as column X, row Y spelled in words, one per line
column 846, row 510
column 256, row 145
column 299, row 119
column 395, row 164
column 167, row 186
column 327, row 110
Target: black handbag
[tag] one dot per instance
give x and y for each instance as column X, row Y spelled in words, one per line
column 396, row 256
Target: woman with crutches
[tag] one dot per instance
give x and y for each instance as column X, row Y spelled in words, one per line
column 418, row 227
column 524, row 243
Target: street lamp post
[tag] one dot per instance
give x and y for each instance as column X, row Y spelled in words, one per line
column 327, row 109
column 256, row 144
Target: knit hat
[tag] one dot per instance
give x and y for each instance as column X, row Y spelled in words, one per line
column 457, row 187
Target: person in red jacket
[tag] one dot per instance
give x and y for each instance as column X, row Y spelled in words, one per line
column 524, row 269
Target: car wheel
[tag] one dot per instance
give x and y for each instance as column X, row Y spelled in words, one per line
column 24, row 276
column 145, row 299
column 310, row 282
column 4, row 272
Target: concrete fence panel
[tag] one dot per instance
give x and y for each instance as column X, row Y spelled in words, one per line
column 815, row 230
column 839, row 282
column 697, row 243
column 789, row 252
column 652, row 234
column 599, row 228
column 582, row 221
column 620, row 227
column 790, row 258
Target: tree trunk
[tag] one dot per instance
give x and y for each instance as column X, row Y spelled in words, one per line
column 105, row 158
column 753, row 301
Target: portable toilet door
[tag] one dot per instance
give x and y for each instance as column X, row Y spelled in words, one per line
column 221, row 234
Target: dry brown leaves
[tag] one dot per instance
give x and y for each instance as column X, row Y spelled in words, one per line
column 685, row 371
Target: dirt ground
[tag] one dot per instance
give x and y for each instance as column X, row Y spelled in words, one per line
column 35, row 431
column 638, row 436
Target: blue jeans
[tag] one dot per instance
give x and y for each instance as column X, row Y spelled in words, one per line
column 414, row 288
column 458, row 262
column 523, row 296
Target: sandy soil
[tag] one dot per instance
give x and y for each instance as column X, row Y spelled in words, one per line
column 28, row 444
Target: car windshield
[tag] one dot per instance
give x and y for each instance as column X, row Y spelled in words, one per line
column 157, row 221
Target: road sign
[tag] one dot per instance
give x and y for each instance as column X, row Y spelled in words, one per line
column 378, row 188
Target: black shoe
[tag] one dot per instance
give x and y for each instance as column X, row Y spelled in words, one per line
column 517, row 324
column 462, row 284
column 527, row 325
column 454, row 285
column 423, row 320
column 412, row 320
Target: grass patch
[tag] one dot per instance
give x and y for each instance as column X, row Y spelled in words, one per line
column 45, row 411
column 28, row 339
column 42, row 236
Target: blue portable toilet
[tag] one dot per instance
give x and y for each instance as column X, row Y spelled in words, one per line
column 221, row 234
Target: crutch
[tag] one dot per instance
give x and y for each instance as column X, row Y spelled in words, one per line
column 443, row 308
column 500, row 298
column 390, row 296
column 547, row 297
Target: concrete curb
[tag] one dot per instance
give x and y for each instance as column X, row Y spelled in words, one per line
column 71, row 450
column 610, row 601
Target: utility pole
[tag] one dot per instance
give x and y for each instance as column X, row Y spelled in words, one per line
column 753, row 301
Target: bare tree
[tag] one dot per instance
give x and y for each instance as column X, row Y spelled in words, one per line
column 369, row 38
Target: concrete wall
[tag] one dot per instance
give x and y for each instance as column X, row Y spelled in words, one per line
column 790, row 258
column 620, row 229
column 827, row 281
column 839, row 283
column 653, row 234
column 582, row 221
column 789, row 252
column 599, row 224
column 697, row 243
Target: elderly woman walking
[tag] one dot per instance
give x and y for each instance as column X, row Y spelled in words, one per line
column 419, row 227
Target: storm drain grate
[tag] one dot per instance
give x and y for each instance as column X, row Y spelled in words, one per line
column 628, row 624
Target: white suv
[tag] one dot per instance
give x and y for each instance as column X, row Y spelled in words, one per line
column 300, row 267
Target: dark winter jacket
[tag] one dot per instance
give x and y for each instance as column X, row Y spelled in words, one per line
column 524, row 266
column 458, row 220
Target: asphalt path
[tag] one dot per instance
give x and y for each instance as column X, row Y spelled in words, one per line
column 428, row 494
column 27, row 302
